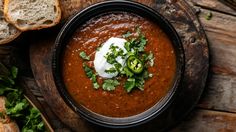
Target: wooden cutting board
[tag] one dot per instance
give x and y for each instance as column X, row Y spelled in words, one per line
column 196, row 51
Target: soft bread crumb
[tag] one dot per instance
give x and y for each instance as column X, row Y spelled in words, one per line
column 32, row 14
column 7, row 31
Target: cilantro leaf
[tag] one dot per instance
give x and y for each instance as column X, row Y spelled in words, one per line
column 14, row 72
column 127, row 46
column 150, row 57
column 129, row 84
column 91, row 75
column 110, row 84
column 127, row 72
column 126, row 35
column 7, row 80
column 111, row 59
column 17, row 107
column 95, row 85
column 142, row 43
column 94, row 80
column 111, row 70
column 84, row 56
column 33, row 122
column 4, row 89
column 139, row 83
column 115, row 51
column 88, row 70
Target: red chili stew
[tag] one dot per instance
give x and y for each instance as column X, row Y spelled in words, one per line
column 118, row 103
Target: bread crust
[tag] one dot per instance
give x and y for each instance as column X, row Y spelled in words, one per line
column 6, row 125
column 32, row 27
column 11, row 37
column 9, row 127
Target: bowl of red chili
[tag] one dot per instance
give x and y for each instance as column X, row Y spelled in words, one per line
column 118, row 64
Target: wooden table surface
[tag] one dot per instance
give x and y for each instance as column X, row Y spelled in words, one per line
column 216, row 111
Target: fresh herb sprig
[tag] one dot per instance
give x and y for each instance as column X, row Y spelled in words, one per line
column 91, row 75
column 17, row 107
column 89, row 71
column 84, row 56
column 135, row 68
column 110, row 84
column 137, row 73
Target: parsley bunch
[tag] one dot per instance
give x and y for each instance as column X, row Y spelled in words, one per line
column 17, row 107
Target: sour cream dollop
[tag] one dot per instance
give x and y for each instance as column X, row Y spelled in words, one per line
column 100, row 62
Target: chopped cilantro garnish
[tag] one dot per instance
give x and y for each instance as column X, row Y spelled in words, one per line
column 129, row 84
column 127, row 46
column 126, row 35
column 110, row 84
column 142, row 43
column 127, row 72
column 115, row 52
column 88, row 70
column 139, row 83
column 96, row 85
column 91, row 75
column 135, row 68
column 150, row 58
column 111, row 70
column 84, row 56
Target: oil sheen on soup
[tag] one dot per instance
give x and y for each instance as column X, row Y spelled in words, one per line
column 118, row 103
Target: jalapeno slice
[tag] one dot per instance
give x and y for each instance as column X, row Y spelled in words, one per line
column 135, row 64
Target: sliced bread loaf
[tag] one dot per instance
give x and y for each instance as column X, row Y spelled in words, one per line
column 7, row 31
column 32, row 14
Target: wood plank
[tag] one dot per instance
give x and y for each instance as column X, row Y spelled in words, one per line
column 219, row 23
column 221, row 35
column 221, row 88
column 213, row 5
column 220, row 93
column 208, row 121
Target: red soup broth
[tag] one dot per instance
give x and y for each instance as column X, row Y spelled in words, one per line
column 118, row 103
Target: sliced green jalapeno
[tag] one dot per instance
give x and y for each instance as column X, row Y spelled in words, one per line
column 135, row 64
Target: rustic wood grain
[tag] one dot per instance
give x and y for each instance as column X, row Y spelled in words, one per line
column 221, row 89
column 215, row 5
column 220, row 93
column 208, row 121
column 70, row 7
column 221, row 34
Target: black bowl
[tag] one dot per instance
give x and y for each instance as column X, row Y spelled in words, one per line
column 114, row 6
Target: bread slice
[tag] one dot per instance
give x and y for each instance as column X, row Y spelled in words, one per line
column 6, row 125
column 32, row 14
column 8, row 32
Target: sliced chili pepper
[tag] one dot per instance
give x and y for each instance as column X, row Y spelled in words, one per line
column 135, row 64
